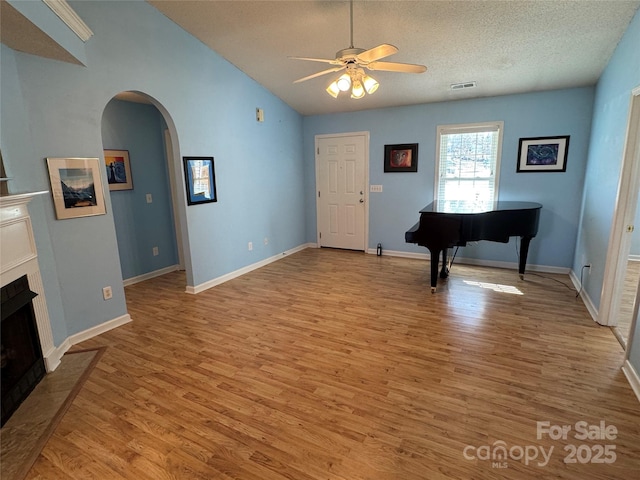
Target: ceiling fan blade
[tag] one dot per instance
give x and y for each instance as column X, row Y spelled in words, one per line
column 397, row 67
column 377, row 53
column 324, row 72
column 324, row 60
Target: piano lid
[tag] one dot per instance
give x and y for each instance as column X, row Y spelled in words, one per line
column 467, row 206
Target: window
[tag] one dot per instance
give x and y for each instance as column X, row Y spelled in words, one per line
column 468, row 162
column 201, row 180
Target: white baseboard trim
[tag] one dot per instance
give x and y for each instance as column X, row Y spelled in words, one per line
column 586, row 299
column 634, row 258
column 98, row 329
column 52, row 361
column 147, row 276
column 237, row 273
column 474, row 261
column 398, row 253
column 632, row 376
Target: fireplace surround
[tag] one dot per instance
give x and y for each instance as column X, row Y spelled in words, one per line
column 18, row 259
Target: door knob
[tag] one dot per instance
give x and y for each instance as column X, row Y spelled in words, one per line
column 361, row 200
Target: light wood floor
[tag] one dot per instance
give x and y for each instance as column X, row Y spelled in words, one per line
column 629, row 290
column 342, row 365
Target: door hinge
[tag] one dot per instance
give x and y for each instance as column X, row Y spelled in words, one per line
column 320, row 234
column 318, row 150
column 318, row 193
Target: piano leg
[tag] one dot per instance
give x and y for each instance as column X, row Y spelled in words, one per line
column 444, row 273
column 524, row 251
column 435, row 254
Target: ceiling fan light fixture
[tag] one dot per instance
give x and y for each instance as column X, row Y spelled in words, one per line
column 354, row 61
column 370, row 84
column 333, row 89
column 358, row 90
column 344, row 82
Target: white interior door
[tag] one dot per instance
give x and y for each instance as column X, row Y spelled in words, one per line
column 341, row 181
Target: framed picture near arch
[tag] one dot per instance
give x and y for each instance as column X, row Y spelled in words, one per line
column 76, row 186
column 118, row 169
column 200, row 179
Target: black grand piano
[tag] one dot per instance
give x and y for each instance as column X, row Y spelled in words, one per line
column 446, row 224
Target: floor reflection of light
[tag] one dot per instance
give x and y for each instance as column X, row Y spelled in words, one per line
column 496, row 287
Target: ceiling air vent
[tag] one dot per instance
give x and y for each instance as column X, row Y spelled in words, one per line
column 461, row 86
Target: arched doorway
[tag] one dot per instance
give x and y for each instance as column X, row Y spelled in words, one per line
column 141, row 171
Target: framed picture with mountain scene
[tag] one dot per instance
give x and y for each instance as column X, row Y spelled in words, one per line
column 118, row 169
column 76, row 186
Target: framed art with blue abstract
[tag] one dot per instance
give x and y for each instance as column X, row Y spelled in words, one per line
column 200, row 178
column 543, row 154
column 118, row 169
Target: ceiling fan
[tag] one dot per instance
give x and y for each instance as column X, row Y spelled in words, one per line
column 355, row 61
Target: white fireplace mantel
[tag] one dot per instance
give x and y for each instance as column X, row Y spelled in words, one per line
column 18, row 257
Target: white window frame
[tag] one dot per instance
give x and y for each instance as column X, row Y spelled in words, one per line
column 470, row 128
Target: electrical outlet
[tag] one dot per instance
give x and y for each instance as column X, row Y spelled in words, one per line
column 375, row 188
column 107, row 293
column 156, row 251
column 149, row 198
column 250, row 246
column 266, row 241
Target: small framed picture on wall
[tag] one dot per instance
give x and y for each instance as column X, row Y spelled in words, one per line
column 401, row 157
column 200, row 179
column 118, row 169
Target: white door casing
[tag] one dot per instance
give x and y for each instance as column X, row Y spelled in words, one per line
column 622, row 227
column 342, row 162
column 173, row 185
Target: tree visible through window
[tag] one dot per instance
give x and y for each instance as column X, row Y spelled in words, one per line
column 468, row 162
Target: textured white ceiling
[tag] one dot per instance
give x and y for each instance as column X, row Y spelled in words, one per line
column 505, row 46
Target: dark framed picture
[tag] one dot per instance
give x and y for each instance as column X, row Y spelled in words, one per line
column 118, row 169
column 76, row 186
column 200, row 179
column 401, row 158
column 543, row 154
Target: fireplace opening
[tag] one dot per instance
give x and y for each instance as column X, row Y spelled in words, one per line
column 21, row 361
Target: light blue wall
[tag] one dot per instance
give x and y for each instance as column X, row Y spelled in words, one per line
column 18, row 156
column 140, row 226
column 56, row 111
column 395, row 210
column 611, row 111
